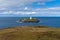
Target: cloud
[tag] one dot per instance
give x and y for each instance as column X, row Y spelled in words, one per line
column 45, row 0
column 37, row 12
column 13, row 3
column 17, row 13
column 6, row 4
column 51, row 10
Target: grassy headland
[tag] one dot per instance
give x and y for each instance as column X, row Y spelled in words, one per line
column 30, row 33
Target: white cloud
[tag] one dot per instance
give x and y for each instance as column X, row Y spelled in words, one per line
column 39, row 11
column 6, row 4
column 52, row 11
column 18, row 13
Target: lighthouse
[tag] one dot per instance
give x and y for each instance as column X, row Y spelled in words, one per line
column 30, row 18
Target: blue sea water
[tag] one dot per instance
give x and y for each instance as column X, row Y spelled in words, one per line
column 44, row 21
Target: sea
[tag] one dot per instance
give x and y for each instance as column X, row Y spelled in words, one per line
column 6, row 22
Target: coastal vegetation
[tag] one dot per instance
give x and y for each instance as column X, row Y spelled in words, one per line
column 30, row 33
column 29, row 20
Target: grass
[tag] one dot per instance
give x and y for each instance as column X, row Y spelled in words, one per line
column 30, row 33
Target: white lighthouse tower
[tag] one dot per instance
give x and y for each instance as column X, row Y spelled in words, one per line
column 30, row 18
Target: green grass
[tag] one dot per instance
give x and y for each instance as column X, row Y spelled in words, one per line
column 30, row 33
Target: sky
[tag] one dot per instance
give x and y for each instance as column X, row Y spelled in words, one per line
column 23, row 8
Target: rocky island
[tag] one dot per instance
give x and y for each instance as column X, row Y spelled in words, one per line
column 30, row 20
